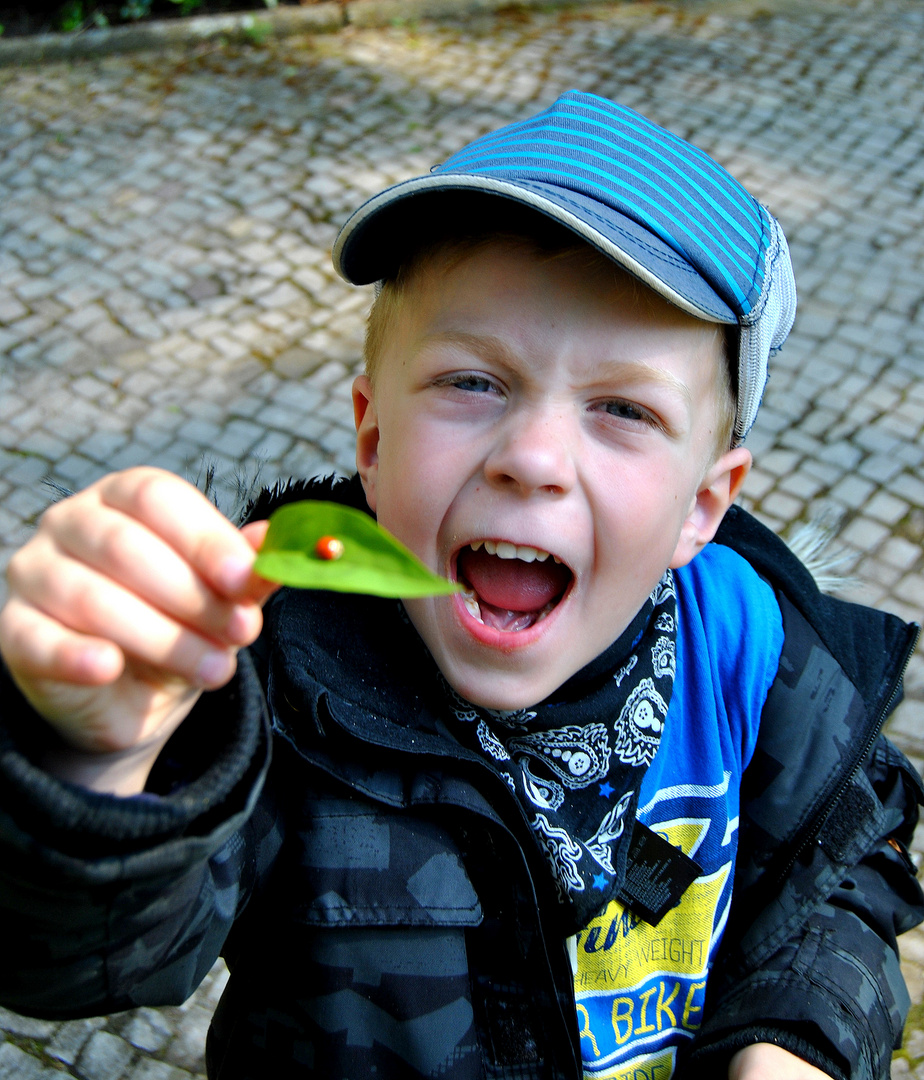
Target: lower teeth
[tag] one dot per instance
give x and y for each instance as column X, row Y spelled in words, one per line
column 472, row 605
column 508, row 621
column 518, row 621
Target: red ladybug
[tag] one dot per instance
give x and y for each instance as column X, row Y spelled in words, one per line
column 329, row 548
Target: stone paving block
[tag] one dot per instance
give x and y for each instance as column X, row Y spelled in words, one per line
column 150, row 1069
column 340, row 444
column 101, row 445
column 212, row 986
column 238, row 438
column 281, row 417
column 105, row 1057
column 186, row 1050
column 875, row 571
column 227, row 347
column 307, row 460
column 15, row 1064
column 138, row 452
column 41, row 444
column 779, row 462
column 886, row 508
column 148, row 1029
column 911, row 587
column 28, row 503
column 895, row 603
column 914, row 677
column 26, row 471
column 852, row 491
column 273, row 447
column 71, row 1037
column 908, row 428
column 881, row 469
column 11, row 309
column 199, row 431
column 76, row 472
column 901, row 553
column 909, row 486
column 864, row 534
column 25, row 1025
column 781, row 507
column 800, row 486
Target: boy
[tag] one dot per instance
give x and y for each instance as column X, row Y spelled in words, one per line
column 499, row 834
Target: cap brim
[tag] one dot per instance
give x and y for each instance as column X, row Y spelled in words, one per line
column 373, row 241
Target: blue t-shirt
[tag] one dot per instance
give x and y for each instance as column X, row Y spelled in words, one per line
column 640, row 989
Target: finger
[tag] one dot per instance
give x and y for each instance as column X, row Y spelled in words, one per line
column 184, row 519
column 37, row 647
column 119, row 547
column 89, row 603
column 254, row 532
column 259, row 589
column 84, row 688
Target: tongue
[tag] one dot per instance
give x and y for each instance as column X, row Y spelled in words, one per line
column 511, row 584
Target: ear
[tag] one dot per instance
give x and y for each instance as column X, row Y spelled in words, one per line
column 367, row 436
column 718, row 490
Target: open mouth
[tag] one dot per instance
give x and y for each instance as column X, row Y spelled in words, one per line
column 509, row 586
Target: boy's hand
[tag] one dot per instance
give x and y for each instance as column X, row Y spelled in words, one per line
column 133, row 596
column 764, row 1061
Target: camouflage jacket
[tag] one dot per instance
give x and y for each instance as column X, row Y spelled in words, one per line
column 378, row 897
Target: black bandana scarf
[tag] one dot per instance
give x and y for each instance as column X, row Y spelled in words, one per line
column 576, row 762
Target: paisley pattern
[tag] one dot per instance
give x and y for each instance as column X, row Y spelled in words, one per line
column 576, row 765
column 611, row 828
column 490, row 743
column 639, row 727
column 543, row 793
column 579, row 756
column 664, row 658
column 563, row 852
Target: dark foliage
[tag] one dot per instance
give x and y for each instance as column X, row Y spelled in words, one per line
column 21, row 17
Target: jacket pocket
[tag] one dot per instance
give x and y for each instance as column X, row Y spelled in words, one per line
column 361, row 866
column 381, row 907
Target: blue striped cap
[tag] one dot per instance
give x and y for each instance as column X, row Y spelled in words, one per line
column 659, row 207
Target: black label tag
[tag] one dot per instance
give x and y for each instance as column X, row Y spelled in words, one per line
column 657, row 875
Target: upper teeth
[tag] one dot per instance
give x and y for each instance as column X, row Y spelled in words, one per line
column 503, row 549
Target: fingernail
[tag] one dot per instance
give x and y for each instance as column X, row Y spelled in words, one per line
column 215, row 669
column 234, row 573
column 243, row 624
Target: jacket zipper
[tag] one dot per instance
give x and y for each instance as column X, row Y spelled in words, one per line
column 847, row 779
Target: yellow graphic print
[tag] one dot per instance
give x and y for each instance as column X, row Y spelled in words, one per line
column 641, row 988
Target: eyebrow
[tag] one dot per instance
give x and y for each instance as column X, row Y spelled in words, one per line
column 489, row 346
column 639, row 371
column 485, row 345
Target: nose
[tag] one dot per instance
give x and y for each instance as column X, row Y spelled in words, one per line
column 534, row 451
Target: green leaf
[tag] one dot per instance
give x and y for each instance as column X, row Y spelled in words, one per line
column 373, row 561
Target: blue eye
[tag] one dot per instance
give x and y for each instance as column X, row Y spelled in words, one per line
column 476, row 384
column 625, row 410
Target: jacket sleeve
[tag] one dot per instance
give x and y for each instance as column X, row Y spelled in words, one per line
column 823, row 882
column 107, row 903
column 832, row 992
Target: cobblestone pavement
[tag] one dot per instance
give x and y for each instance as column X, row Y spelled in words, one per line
column 166, row 294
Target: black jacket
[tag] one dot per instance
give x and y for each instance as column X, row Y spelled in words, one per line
column 353, row 884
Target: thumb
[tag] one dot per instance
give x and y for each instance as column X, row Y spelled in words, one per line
column 256, row 588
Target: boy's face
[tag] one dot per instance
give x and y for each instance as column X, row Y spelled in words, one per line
column 540, row 404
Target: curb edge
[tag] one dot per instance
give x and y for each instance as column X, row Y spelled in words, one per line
column 328, row 16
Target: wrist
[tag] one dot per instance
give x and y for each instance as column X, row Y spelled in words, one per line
column 123, row 772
